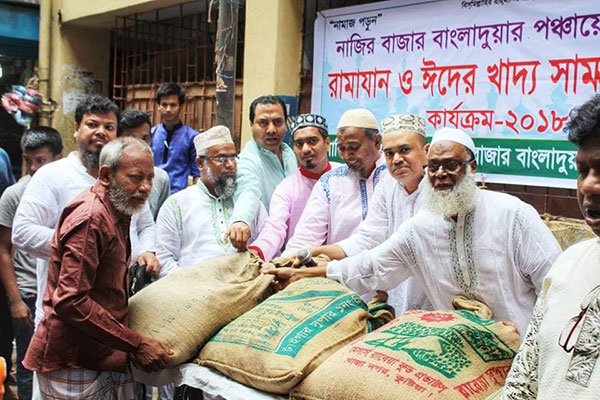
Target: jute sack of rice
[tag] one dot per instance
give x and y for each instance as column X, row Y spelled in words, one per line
column 420, row 355
column 186, row 308
column 276, row 344
column 568, row 231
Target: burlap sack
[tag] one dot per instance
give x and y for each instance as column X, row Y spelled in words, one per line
column 276, row 344
column 420, row 355
column 568, row 231
column 186, row 308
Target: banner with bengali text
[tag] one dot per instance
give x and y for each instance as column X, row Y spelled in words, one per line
column 505, row 71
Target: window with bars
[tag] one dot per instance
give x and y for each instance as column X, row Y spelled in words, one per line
column 174, row 44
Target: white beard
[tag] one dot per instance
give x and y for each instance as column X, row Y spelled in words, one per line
column 224, row 186
column 461, row 199
column 120, row 200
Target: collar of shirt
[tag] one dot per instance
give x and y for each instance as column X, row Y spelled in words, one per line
column 313, row 175
column 205, row 190
column 176, row 127
column 269, row 152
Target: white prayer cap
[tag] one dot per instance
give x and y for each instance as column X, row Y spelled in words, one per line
column 403, row 123
column 358, row 118
column 216, row 135
column 454, row 135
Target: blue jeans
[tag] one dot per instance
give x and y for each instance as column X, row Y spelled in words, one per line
column 23, row 337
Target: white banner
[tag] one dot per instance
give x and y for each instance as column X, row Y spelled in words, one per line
column 507, row 72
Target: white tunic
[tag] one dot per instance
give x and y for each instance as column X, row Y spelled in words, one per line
column 390, row 207
column 499, row 254
column 542, row 369
column 191, row 227
column 338, row 203
column 51, row 188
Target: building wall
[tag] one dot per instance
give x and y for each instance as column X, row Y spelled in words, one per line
column 273, row 51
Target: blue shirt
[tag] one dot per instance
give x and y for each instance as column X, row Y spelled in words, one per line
column 178, row 156
column 6, row 175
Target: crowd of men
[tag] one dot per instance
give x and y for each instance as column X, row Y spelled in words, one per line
column 402, row 215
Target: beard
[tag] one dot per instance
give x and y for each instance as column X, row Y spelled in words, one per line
column 357, row 173
column 310, row 165
column 224, row 185
column 91, row 159
column 461, row 199
column 121, row 200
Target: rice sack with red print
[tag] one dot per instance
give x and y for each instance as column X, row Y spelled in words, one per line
column 420, row 355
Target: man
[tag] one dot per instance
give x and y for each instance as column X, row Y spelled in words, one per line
column 136, row 123
column 6, row 332
column 467, row 242
column 7, row 177
column 340, row 200
column 81, row 347
column 172, row 141
column 58, row 183
column 397, row 197
column 311, row 145
column 558, row 358
column 264, row 163
column 40, row 146
column 192, row 224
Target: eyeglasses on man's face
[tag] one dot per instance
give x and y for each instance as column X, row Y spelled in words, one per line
column 570, row 333
column 448, row 166
column 222, row 159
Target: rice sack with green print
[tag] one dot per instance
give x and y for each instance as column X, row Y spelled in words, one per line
column 276, row 344
column 420, row 355
column 186, row 308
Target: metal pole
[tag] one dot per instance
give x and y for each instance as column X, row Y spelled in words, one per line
column 225, row 63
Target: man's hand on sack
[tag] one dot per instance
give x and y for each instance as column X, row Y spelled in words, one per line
column 239, row 234
column 151, row 355
column 285, row 276
column 149, row 259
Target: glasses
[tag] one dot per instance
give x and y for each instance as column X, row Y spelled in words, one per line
column 448, row 166
column 570, row 333
column 223, row 159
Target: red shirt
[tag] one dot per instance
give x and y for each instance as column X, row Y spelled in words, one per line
column 85, row 303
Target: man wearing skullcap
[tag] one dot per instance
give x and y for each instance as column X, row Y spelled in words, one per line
column 264, row 162
column 396, row 199
column 468, row 242
column 192, row 223
column 340, row 200
column 311, row 145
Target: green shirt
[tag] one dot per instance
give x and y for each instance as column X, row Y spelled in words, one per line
column 258, row 174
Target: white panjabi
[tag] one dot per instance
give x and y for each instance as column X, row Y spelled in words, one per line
column 499, row 254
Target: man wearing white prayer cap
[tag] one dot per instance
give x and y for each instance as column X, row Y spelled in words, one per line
column 192, row 223
column 340, row 199
column 396, row 199
column 465, row 242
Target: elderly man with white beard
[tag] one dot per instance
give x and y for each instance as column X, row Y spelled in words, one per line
column 192, row 224
column 465, row 242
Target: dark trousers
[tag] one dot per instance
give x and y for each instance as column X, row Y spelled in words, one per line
column 23, row 337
